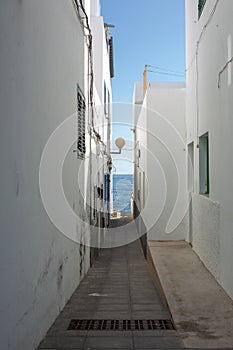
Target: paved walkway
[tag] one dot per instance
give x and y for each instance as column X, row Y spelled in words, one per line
column 117, row 287
column 202, row 311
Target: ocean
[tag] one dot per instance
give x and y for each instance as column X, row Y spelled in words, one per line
column 122, row 192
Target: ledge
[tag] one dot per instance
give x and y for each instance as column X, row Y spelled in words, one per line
column 201, row 310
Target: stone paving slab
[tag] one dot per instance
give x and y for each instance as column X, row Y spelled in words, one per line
column 147, row 307
column 118, row 286
column 113, row 342
column 202, row 311
column 152, row 342
column 61, row 342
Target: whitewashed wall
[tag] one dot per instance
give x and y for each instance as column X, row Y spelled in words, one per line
column 42, row 60
column 102, row 124
column 212, row 218
column 156, row 175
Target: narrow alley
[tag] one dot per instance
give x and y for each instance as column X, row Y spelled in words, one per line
column 116, row 219
column 119, row 288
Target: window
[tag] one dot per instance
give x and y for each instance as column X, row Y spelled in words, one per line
column 107, row 187
column 191, row 167
column 204, row 164
column 111, row 62
column 95, row 197
column 201, row 4
column 81, row 141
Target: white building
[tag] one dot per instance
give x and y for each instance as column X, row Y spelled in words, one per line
column 207, row 133
column 209, row 121
column 101, row 160
column 45, row 78
column 159, row 131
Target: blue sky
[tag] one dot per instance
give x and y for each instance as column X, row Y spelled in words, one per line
column 146, row 32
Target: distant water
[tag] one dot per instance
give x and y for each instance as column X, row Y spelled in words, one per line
column 122, row 192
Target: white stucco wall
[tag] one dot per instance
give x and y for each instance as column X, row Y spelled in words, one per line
column 95, row 7
column 206, row 221
column 41, row 62
column 210, row 110
column 102, row 123
column 162, row 113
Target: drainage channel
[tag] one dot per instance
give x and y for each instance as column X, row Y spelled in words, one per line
column 120, row 325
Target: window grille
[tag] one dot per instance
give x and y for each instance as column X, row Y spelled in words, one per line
column 81, row 115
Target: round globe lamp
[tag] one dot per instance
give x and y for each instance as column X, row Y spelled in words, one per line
column 120, row 142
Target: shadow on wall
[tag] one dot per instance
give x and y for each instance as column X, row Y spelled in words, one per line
column 141, row 227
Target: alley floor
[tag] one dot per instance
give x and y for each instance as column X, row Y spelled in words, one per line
column 117, row 287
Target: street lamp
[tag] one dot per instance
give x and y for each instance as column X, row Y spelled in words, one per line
column 120, row 143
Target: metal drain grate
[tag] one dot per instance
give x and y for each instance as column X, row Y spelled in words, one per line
column 120, row 325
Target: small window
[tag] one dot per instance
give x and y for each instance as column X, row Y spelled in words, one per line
column 81, row 116
column 191, row 167
column 204, row 164
column 201, row 4
column 111, row 59
column 107, row 183
column 95, row 197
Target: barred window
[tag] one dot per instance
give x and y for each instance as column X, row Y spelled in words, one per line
column 81, row 141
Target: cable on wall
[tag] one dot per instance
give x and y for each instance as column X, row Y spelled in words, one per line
column 85, row 22
column 195, row 58
column 222, row 71
column 202, row 33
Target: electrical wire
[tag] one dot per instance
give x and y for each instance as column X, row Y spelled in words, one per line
column 166, row 73
column 166, row 69
column 222, row 70
column 197, row 70
column 202, row 33
column 79, row 5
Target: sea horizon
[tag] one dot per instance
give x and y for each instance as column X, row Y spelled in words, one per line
column 122, row 192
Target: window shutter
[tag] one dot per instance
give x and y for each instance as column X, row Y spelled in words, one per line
column 81, row 115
